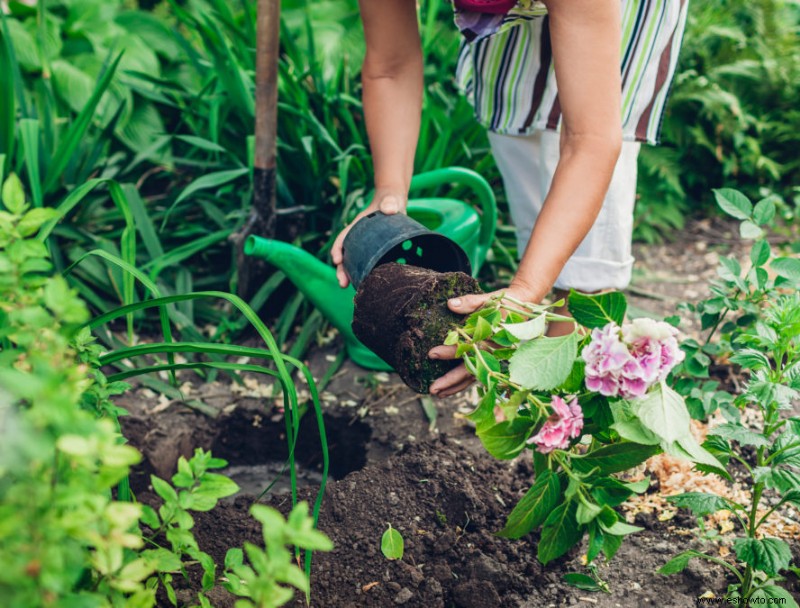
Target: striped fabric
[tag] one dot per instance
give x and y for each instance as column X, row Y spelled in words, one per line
column 506, row 70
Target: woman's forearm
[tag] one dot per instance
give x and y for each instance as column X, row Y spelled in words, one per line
column 585, row 36
column 392, row 80
column 392, row 107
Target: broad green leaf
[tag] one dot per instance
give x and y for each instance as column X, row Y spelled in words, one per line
column 633, row 430
column 663, row 412
column 788, row 268
column 163, row 489
column 597, row 310
column 679, row 562
column 533, row 508
column 699, row 503
column 614, row 458
column 764, row 211
column 688, row 447
column 544, row 363
column 13, row 195
column 483, row 329
column 507, row 439
column 784, row 480
column 760, row 253
column 560, row 532
column 748, row 230
column 770, row 555
column 234, row 557
column 737, row 432
column 734, row 203
column 35, row 219
column 621, row 528
column 772, row 595
column 392, row 544
column 528, row 330
column 581, row 581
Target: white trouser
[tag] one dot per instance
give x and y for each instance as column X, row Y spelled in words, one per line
column 603, row 260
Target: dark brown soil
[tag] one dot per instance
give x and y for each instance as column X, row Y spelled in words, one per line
column 401, row 313
column 394, row 462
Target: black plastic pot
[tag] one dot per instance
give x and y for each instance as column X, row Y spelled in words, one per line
column 379, row 238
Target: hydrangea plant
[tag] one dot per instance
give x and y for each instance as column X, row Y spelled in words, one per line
column 588, row 406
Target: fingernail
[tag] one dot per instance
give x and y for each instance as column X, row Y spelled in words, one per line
column 455, row 302
column 433, row 355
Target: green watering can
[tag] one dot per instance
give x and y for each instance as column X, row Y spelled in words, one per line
column 458, row 220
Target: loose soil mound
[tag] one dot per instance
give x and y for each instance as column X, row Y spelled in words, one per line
column 401, row 313
column 447, row 504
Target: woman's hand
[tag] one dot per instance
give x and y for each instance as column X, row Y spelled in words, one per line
column 457, row 379
column 386, row 201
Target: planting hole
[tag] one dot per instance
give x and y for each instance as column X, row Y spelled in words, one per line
column 256, row 450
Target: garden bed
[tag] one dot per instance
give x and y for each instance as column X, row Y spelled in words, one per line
column 394, row 461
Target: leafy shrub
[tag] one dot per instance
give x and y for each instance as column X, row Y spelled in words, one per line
column 66, row 539
column 732, row 116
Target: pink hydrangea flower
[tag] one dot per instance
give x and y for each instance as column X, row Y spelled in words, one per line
column 564, row 424
column 627, row 361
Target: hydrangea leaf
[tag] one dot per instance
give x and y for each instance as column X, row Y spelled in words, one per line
column 544, row 363
column 597, row 310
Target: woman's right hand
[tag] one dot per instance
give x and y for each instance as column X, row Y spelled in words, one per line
column 386, row 201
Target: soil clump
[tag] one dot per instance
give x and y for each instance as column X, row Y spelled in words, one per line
column 401, row 313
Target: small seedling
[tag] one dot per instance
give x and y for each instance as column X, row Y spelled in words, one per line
column 392, row 544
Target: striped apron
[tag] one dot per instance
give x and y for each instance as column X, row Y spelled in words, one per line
column 505, row 67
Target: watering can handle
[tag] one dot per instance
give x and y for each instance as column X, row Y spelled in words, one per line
column 479, row 187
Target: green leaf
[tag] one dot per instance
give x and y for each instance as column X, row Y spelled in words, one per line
column 527, row 330
column 699, row 503
column 483, row 329
column 748, row 230
column 788, row 268
column 750, row 358
column 772, row 595
column 13, row 195
column 35, row 219
column 614, row 458
column 533, row 508
column 581, row 581
column 663, row 412
column 760, row 253
column 507, row 439
column 737, row 432
column 621, row 528
column 734, row 203
column 633, row 430
column 164, row 490
column 392, row 544
column 234, row 557
column 783, row 480
column 687, row 447
column 544, row 363
column 679, row 562
column 764, row 211
column 211, row 180
column 597, row 310
column 769, row 555
column 560, row 532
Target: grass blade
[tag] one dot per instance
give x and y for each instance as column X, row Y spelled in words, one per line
column 29, row 133
column 77, row 131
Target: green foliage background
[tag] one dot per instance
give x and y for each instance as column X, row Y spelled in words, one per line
column 159, row 98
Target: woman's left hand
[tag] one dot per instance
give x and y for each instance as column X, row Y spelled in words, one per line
column 457, row 379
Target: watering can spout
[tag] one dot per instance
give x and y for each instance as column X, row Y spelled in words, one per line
column 315, row 279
